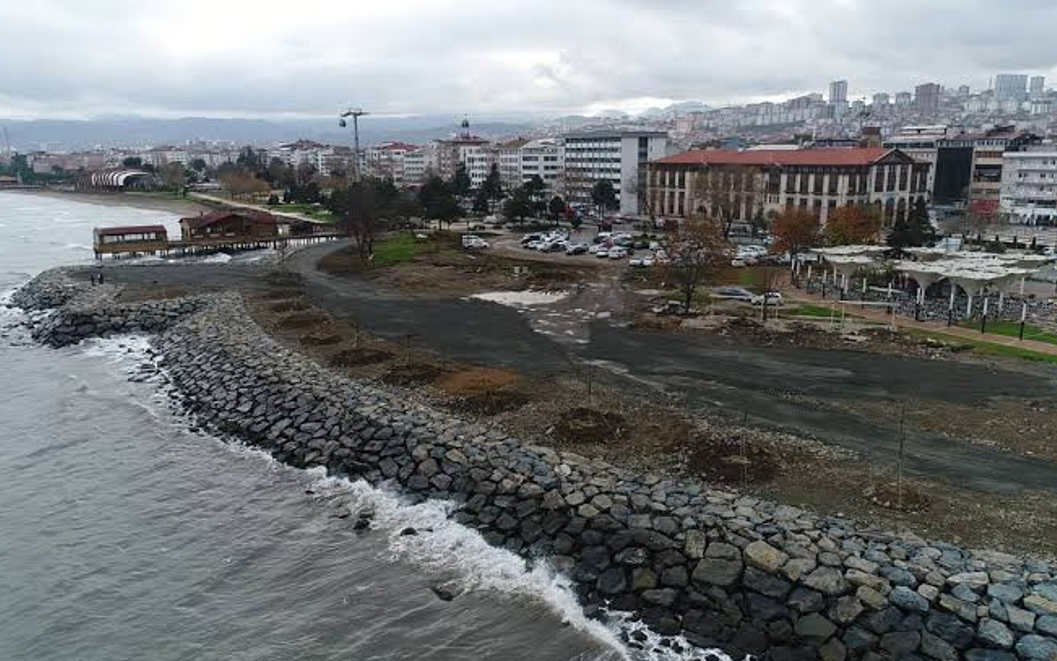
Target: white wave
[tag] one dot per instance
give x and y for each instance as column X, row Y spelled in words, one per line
column 77, row 246
column 441, row 546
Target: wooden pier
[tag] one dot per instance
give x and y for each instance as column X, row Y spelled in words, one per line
column 180, row 248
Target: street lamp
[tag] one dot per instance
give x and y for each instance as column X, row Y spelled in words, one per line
column 355, row 113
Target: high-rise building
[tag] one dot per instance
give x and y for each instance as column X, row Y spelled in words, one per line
column 838, row 91
column 1011, row 87
column 904, row 100
column 1037, row 87
column 881, row 101
column 927, row 98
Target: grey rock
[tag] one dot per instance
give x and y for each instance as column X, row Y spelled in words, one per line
column 908, row 600
column 815, row 626
column 1036, row 648
column 994, row 634
column 612, row 582
column 1047, row 624
column 900, row 644
column 806, row 601
column 1040, row 605
column 1023, row 620
column 935, row 647
column 846, row 610
column 828, row 581
column 694, row 546
column 981, row 654
column 766, row 584
column 857, row 638
column 1010, row 594
column 951, row 629
column 717, row 571
column 834, row 650
column 763, row 556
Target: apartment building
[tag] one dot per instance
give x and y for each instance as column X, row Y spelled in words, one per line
column 989, row 150
column 544, row 158
column 1029, row 187
column 618, row 156
column 768, row 181
column 387, row 160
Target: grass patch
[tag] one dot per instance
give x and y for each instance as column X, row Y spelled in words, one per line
column 399, row 248
column 986, row 348
column 1012, row 329
column 812, row 311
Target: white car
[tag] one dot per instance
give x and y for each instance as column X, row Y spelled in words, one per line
column 617, row 253
column 602, row 254
column 772, row 298
column 641, row 262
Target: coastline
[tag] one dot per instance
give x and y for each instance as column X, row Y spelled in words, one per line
column 687, row 558
column 175, row 205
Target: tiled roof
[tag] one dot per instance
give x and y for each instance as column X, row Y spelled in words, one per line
column 780, row 157
column 197, row 222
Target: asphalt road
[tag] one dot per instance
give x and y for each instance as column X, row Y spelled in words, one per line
column 705, row 372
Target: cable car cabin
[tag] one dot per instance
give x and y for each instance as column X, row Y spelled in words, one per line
column 232, row 226
column 129, row 239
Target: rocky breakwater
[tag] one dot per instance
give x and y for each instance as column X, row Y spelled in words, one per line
column 719, row 568
column 80, row 310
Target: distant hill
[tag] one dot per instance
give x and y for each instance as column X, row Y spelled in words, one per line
column 70, row 135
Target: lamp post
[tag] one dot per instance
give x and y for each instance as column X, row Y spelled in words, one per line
column 355, row 113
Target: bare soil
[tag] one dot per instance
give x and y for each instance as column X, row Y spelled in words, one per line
column 644, row 431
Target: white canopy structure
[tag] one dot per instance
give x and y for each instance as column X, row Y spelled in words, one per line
column 974, row 272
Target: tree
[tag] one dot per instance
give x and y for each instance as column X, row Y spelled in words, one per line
column 173, row 176
column 537, row 189
column 437, row 199
column 198, row 165
column 556, row 207
column 758, row 224
column 604, row 196
column 697, row 252
column 460, row 183
column 249, row 159
column 794, row 231
column 305, row 173
column 725, row 190
column 493, row 186
column 851, row 225
column 518, row 205
column 481, row 206
column 358, row 208
column 915, row 230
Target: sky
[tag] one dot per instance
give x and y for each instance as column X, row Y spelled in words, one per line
column 310, row 58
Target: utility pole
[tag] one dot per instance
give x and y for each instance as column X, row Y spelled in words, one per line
column 355, row 113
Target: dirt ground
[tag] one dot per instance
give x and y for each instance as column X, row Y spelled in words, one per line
column 584, row 412
column 453, row 272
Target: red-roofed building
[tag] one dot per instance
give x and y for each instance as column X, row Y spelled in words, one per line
column 754, row 182
column 228, row 224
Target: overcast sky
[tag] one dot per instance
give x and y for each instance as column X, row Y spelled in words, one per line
column 81, row 58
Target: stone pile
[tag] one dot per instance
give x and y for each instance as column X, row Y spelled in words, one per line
column 721, row 568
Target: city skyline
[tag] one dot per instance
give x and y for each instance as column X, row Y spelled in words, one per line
column 242, row 60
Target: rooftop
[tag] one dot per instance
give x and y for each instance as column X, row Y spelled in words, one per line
column 206, row 219
column 130, row 229
column 781, row 157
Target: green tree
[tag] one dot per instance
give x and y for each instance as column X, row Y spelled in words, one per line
column 604, row 196
column 460, row 183
column 518, row 205
column 556, row 207
column 915, row 230
column 198, row 165
column 437, row 199
column 481, row 204
column 493, row 185
column 249, row 159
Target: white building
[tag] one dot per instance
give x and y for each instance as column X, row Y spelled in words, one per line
column 838, row 91
column 1011, row 87
column 1037, row 87
column 618, row 156
column 417, row 166
column 1029, row 186
column 544, row 158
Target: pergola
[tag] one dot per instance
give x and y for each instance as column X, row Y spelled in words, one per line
column 973, row 273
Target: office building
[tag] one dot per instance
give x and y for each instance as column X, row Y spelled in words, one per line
column 618, row 156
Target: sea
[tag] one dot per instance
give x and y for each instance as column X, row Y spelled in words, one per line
column 125, row 534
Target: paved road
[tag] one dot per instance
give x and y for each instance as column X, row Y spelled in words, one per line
column 709, row 373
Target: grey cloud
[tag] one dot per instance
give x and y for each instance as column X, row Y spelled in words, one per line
column 202, row 56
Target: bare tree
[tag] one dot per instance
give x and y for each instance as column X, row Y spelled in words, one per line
column 358, row 205
column 725, row 191
column 697, row 252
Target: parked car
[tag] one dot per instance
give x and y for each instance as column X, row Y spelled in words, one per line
column 617, row 253
column 733, row 293
column 603, row 253
column 771, row 298
column 529, row 238
column 576, row 249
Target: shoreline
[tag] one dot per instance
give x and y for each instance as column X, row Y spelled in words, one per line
column 687, row 558
column 175, row 205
